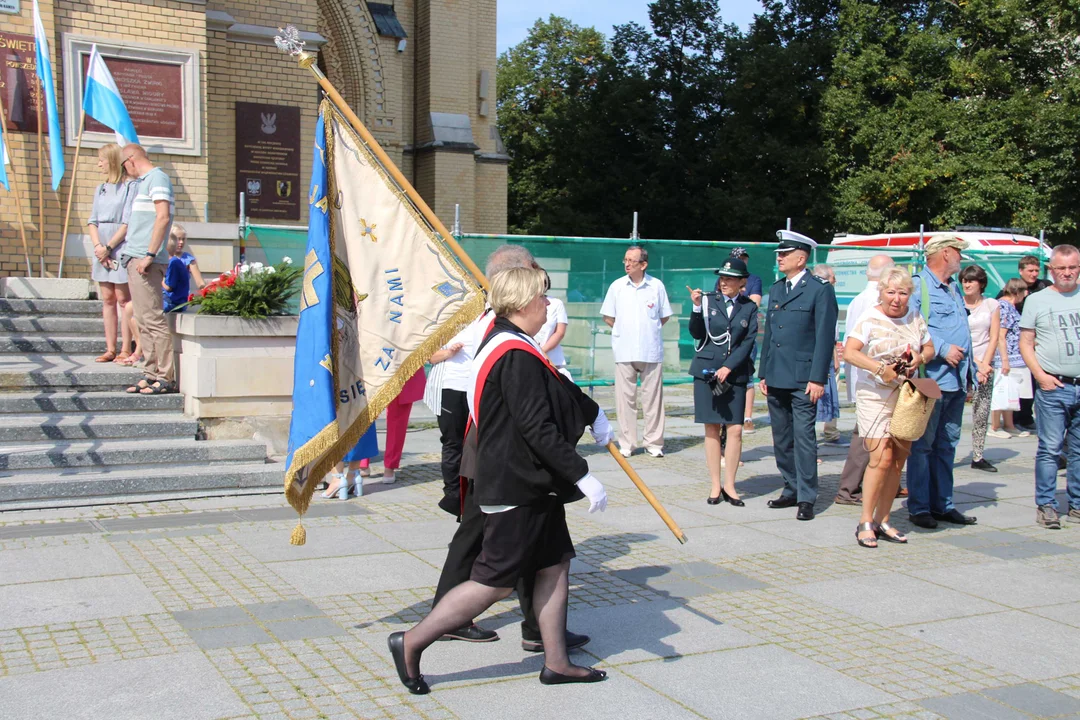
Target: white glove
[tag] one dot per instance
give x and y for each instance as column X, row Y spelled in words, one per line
column 601, row 430
column 594, row 490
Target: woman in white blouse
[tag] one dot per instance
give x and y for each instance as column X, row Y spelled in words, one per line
column 891, row 344
column 554, row 329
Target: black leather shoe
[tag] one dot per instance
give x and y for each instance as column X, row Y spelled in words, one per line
column 955, row 517
column 733, row 500
column 416, row 685
column 472, row 633
column 784, row 501
column 923, row 520
column 550, row 677
column 533, row 643
column 983, row 464
column 714, row 500
column 806, row 511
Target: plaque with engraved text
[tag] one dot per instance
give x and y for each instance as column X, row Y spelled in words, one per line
column 268, row 160
column 153, row 93
column 18, row 82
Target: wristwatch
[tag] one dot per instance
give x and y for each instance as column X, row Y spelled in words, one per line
column 150, row 254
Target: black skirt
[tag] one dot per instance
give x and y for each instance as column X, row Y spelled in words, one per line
column 521, row 541
column 727, row 409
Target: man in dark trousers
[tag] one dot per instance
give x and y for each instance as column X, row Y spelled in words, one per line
column 467, row 542
column 800, row 332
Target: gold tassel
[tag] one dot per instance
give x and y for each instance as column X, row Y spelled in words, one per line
column 299, row 534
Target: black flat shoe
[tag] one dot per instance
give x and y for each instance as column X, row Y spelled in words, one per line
column 472, row 633
column 415, row 685
column 733, row 500
column 955, row 517
column 806, row 511
column 984, row 465
column 715, row 500
column 550, row 677
column 783, row 502
column 534, row 643
column 923, row 520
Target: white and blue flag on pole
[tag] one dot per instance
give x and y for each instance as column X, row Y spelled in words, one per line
column 102, row 100
column 45, row 75
column 3, row 158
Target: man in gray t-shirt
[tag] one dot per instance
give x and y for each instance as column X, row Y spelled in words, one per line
column 146, row 257
column 1050, row 344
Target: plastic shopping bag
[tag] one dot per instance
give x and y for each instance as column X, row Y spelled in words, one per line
column 1006, row 395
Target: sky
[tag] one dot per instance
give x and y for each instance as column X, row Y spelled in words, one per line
column 517, row 16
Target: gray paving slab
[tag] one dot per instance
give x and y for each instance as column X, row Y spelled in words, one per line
column 182, row 686
column 970, row 706
column 1014, row 642
column 1035, row 700
column 156, row 522
column 1007, row 583
column 1026, row 550
column 270, row 545
column 64, row 601
column 648, row 631
column 731, row 541
column 284, row 610
column 212, row 617
column 215, row 638
column 618, row 698
column 49, row 529
column 764, row 682
column 1002, row 514
column 824, row 531
column 59, row 563
column 981, row 538
column 305, row 629
column 1067, row 613
column 423, row 535
column 359, row 573
column 732, row 582
column 137, row 537
column 642, row 518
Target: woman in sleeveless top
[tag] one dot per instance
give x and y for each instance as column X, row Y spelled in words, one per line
column 984, row 319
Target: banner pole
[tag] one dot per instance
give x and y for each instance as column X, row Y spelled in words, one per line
column 18, row 199
column 40, row 191
column 307, row 60
column 71, row 192
column 636, row 479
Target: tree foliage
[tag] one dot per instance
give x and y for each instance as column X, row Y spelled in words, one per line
column 845, row 115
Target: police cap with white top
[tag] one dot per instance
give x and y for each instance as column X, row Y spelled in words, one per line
column 791, row 240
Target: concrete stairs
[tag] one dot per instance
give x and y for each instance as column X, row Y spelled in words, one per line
column 70, row 435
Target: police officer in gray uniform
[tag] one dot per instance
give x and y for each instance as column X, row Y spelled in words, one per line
column 800, row 330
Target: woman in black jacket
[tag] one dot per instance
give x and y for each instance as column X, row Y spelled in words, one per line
column 528, row 420
column 724, row 324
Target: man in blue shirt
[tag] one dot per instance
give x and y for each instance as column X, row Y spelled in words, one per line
column 930, row 467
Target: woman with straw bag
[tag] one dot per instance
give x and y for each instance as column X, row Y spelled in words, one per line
column 891, row 344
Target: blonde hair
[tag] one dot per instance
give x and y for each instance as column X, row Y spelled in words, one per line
column 514, row 288
column 178, row 231
column 173, row 244
column 114, row 162
column 897, row 276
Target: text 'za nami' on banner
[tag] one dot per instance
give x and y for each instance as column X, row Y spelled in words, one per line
column 381, row 294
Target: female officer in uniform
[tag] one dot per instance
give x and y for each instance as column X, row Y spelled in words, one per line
column 724, row 324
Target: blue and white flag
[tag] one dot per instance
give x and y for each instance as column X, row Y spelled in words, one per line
column 102, row 100
column 45, row 75
column 3, row 158
column 381, row 293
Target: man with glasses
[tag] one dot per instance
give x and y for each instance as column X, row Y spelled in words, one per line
column 146, row 258
column 1050, row 344
column 930, row 466
column 636, row 308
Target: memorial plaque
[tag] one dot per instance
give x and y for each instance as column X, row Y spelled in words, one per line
column 9, row 6
column 18, row 82
column 152, row 91
column 268, row 160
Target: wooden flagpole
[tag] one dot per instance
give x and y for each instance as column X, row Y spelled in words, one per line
column 71, row 192
column 307, row 60
column 18, row 200
column 40, row 191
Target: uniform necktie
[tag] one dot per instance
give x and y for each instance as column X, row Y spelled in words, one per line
column 728, row 305
column 787, row 286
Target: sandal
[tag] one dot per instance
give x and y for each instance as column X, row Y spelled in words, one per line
column 340, row 487
column 159, row 388
column 119, row 359
column 866, row 542
column 883, row 533
column 107, row 356
column 130, row 360
column 138, row 387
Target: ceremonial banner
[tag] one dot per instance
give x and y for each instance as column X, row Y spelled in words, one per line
column 381, row 294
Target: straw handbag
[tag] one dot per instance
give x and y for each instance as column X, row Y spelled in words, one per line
column 914, row 406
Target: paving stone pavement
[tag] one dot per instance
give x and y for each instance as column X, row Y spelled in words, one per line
column 201, row 609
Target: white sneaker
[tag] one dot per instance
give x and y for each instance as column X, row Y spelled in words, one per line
column 1000, row 434
column 655, row 452
column 624, row 452
column 388, row 476
column 1018, row 433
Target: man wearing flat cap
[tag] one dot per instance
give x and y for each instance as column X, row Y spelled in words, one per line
column 930, row 466
column 800, row 330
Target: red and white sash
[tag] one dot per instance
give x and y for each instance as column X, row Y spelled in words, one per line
column 484, row 360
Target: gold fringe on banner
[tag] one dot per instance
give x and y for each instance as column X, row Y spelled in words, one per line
column 329, row 446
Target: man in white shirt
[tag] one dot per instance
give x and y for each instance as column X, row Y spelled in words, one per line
column 850, row 491
column 636, row 308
